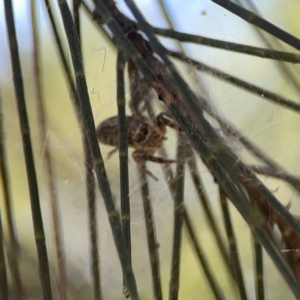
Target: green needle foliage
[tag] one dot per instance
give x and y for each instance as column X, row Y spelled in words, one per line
column 124, row 231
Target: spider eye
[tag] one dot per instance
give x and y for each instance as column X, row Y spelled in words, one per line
column 141, row 133
column 145, row 129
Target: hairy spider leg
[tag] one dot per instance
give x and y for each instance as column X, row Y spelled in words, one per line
column 163, row 121
column 141, row 157
column 112, row 152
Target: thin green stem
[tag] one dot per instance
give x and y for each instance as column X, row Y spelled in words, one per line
column 233, row 247
column 207, row 210
column 178, row 218
column 76, row 6
column 151, row 236
column 197, row 81
column 93, row 220
column 207, row 269
column 62, row 55
column 273, row 168
column 259, row 22
column 27, row 148
column 192, row 162
column 89, row 126
column 89, row 182
column 104, row 32
column 123, row 157
column 251, row 88
column 259, row 270
column 276, row 173
column 90, row 179
column 288, row 75
column 245, row 49
column 194, row 241
column 45, row 149
column 90, row 190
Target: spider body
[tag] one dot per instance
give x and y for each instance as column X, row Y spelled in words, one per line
column 142, row 134
column 145, row 136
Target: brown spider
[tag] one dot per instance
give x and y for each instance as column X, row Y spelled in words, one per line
column 144, row 136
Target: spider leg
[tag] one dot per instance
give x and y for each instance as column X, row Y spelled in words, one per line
column 126, row 292
column 159, row 160
column 140, row 156
column 112, row 152
column 143, row 166
column 162, row 121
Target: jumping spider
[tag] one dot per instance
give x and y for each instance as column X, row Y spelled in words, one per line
column 144, row 136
